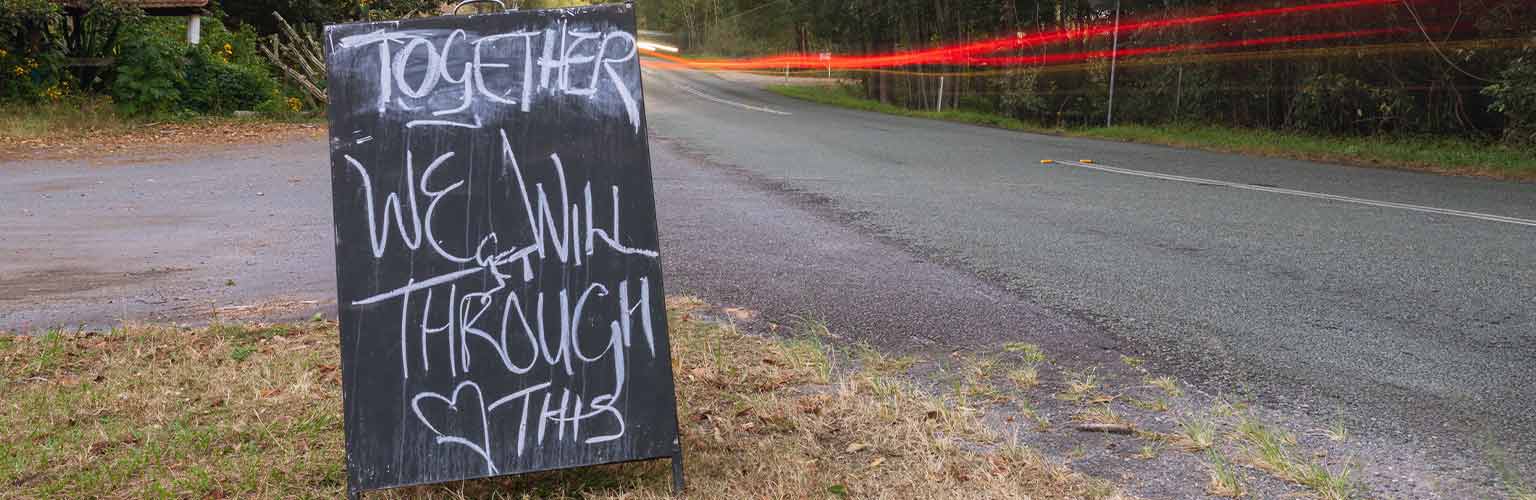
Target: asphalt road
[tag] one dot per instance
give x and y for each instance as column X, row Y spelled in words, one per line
column 170, row 237
column 1414, row 324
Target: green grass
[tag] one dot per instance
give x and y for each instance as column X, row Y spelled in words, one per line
column 1431, row 154
column 27, row 121
column 95, row 118
column 1273, row 450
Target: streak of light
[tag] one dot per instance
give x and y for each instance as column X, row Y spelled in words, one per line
column 655, row 47
column 960, row 52
column 1165, row 60
column 1133, row 52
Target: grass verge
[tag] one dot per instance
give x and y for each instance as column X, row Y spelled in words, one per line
column 1428, row 154
column 254, row 411
column 81, row 128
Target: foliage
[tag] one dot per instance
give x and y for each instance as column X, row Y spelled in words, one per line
column 149, row 74
column 1515, row 97
column 31, row 61
column 26, row 25
column 215, row 85
column 157, row 73
column 1338, row 104
column 1017, row 95
column 1395, row 84
column 257, row 14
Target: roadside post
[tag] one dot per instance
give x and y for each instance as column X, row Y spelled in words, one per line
column 941, row 94
column 498, row 283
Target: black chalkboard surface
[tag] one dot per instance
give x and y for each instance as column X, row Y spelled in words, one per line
column 500, row 296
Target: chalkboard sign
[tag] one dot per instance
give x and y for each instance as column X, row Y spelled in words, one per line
column 500, row 296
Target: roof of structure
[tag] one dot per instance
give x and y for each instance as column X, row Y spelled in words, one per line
column 147, row 5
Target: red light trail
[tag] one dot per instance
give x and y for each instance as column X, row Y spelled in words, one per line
column 967, row 53
column 1131, row 52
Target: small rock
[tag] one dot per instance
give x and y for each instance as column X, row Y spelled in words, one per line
column 244, row 114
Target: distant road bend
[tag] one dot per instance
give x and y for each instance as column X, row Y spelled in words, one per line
column 1402, row 302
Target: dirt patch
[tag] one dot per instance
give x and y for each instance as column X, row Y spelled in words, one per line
column 157, row 140
column 269, row 309
column 62, row 280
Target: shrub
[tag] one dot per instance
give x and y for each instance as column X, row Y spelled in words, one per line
column 213, row 85
column 1514, row 96
column 1335, row 103
column 149, row 74
column 1017, row 95
column 31, row 60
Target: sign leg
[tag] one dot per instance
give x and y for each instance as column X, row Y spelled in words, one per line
column 677, row 474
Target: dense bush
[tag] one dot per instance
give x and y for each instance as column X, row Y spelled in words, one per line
column 1515, row 97
column 31, row 61
column 149, row 74
column 158, row 73
column 213, row 85
column 1338, row 104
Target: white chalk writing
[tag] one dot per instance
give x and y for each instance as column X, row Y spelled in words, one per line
column 507, row 301
column 417, row 70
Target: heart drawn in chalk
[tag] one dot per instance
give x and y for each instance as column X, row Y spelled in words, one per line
column 464, row 410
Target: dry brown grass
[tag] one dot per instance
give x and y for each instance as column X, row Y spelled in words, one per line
column 254, row 411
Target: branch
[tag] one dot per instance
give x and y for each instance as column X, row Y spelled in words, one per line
column 298, row 78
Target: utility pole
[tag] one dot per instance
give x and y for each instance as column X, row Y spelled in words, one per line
column 1114, row 52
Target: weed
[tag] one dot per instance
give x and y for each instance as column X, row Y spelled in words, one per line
column 1196, row 434
column 1328, row 484
column 1101, row 414
column 1026, row 378
column 1080, row 385
column 1132, row 361
column 1030, row 353
column 1168, row 384
column 1157, row 405
column 241, row 352
column 1042, row 423
column 1337, row 432
column 1226, row 481
column 1270, row 450
column 874, row 360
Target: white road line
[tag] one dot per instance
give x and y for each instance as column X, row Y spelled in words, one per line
column 1308, row 194
column 696, row 92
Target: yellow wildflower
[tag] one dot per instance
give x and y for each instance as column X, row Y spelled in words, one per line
column 3, row 53
column 228, row 52
column 19, row 71
column 53, row 93
column 295, row 104
column 31, row 63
